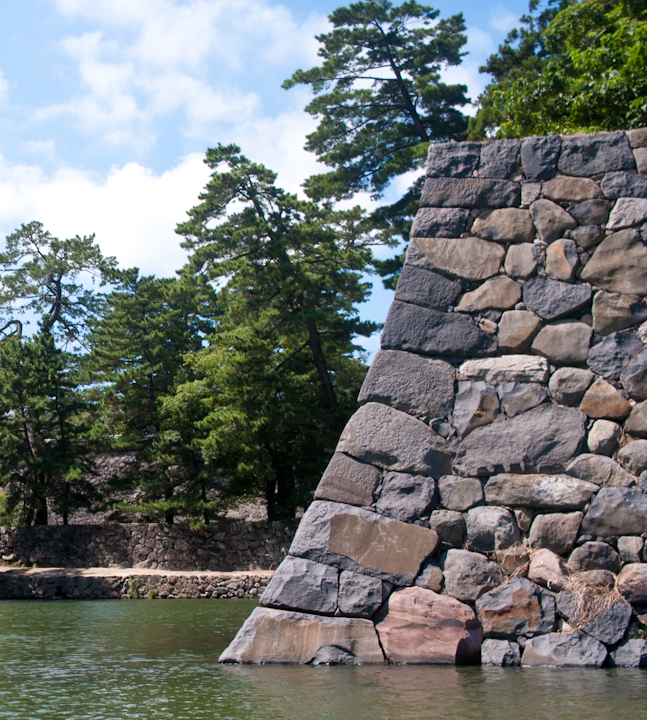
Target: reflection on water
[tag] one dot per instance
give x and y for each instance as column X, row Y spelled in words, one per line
column 115, row 660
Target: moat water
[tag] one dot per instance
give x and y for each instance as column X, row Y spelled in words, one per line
column 115, row 660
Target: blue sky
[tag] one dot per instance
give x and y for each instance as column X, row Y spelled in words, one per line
column 107, row 107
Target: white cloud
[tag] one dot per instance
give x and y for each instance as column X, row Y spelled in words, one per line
column 502, row 20
column 44, row 148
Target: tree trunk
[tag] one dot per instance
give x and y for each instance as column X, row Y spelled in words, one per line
column 320, row 363
column 40, row 507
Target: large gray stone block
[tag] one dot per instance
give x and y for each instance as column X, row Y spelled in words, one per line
column 411, row 383
column 604, row 437
column 501, row 653
column 616, row 511
column 439, row 222
column 623, row 184
column 499, row 158
column 627, row 212
column 393, row 440
column 457, row 493
column 607, row 624
column 587, row 155
column 587, row 237
column 619, row 264
column 477, row 404
column 564, row 187
column 551, row 220
column 562, row 260
column 491, row 528
column 470, row 193
column 355, row 539
column 517, row 608
column 406, row 497
column 544, row 439
column 591, row 212
column 505, row 225
column 634, row 377
column 564, row 343
column 575, row 649
column 500, row 293
column 633, row 456
column 348, row 480
column 430, row 332
column 600, row 470
column 457, row 160
column 631, row 653
column 455, row 257
column 300, row 584
column 468, row 575
column 630, row 548
column 522, row 259
column 509, row 369
column 359, row 595
column 594, row 556
column 543, row 492
column 632, row 583
column 555, row 531
column 428, row 289
column 539, row 156
column 611, row 356
column 517, row 328
column 567, row 385
column 449, row 525
column 614, row 311
column 636, row 424
column 517, row 398
column 553, row 299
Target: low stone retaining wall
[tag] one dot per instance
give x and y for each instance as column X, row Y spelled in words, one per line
column 224, row 547
column 99, row 584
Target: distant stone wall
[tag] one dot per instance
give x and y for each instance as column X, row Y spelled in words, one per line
column 223, row 547
column 493, row 484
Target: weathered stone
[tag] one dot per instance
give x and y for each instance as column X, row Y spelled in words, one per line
column 517, row 328
column 636, row 424
column 517, row 398
column 279, row 636
column 499, row 158
column 449, row 525
column 555, row 531
column 505, row 225
column 605, row 623
column 614, row 311
column 457, row 493
column 604, row 437
column 333, row 655
column 630, row 548
column 600, row 470
column 359, row 595
column 594, row 556
column 587, row 237
column 612, row 355
column 632, row 583
column 602, row 400
column 633, row 456
column 513, row 368
column 524, row 517
column 476, row 404
column 530, row 191
column 439, row 222
column 563, row 187
column 515, row 559
column 521, row 260
column 637, row 138
column 393, row 440
column 470, row 193
column 517, row 608
column 551, row 220
column 549, row 492
column 355, row 539
column 456, row 257
column 430, row 577
column 623, row 184
column 491, row 528
column 627, row 213
column 539, row 156
column 634, row 377
column 453, row 159
column 584, row 155
column 553, row 299
column 430, row 332
column 469, row 575
column 568, row 385
column 429, row 289
column 561, row 259
column 640, row 154
column 564, row 343
column 349, row 481
column 548, row 569
column 597, row 578
column 573, row 649
column 500, row 293
column 631, row 653
column 502, row 653
column 619, row 264
column 406, row 497
column 410, row 383
column 591, row 212
column 300, row 584
column 419, row 626
column 616, row 511
column 541, row 440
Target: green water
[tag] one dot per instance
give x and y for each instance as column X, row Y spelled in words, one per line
column 114, row 660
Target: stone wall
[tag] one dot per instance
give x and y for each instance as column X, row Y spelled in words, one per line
column 488, row 503
column 224, row 547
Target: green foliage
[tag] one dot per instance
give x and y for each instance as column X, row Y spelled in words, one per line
column 578, row 66
column 279, row 378
column 379, row 99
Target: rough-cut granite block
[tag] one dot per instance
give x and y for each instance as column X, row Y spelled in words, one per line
column 592, row 154
column 300, row 584
column 439, row 222
column 539, row 157
column 349, row 481
column 457, row 160
column 456, row 257
column 428, row 289
column 499, row 158
column 470, row 193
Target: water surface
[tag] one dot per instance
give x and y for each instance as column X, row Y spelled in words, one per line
column 115, row 660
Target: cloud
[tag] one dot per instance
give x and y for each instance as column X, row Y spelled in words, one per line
column 44, row 148
column 503, row 20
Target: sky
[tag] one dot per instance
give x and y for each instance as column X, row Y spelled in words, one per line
column 107, row 108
